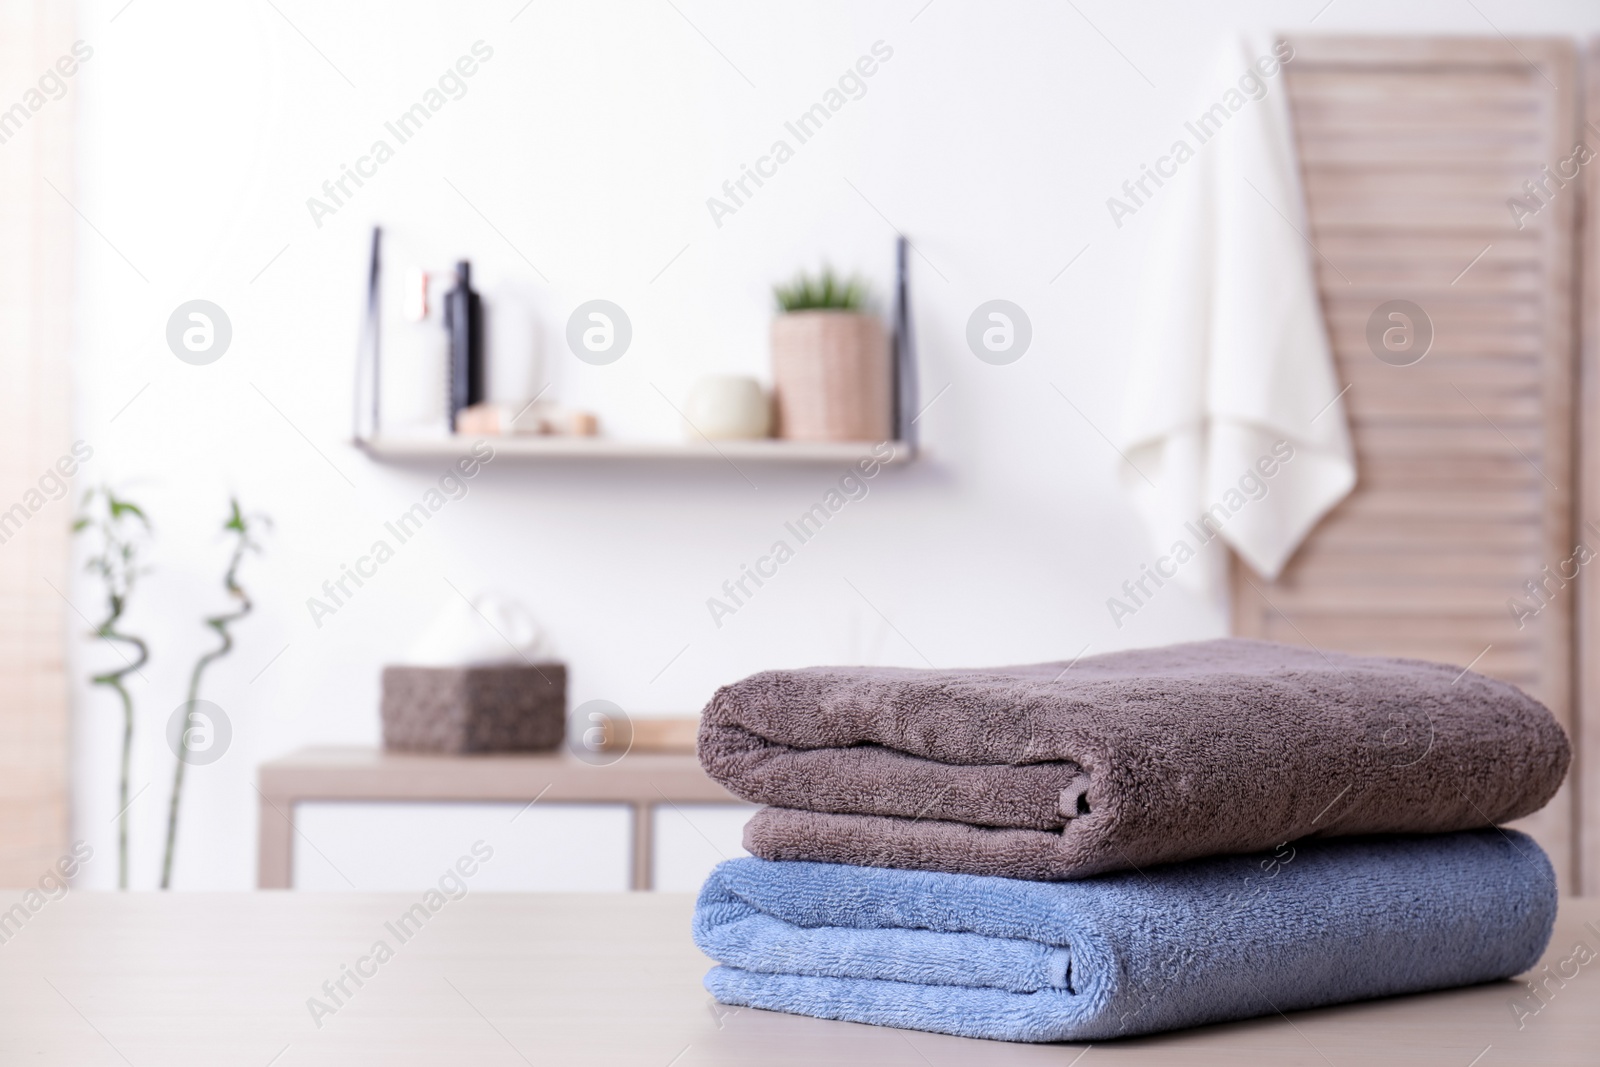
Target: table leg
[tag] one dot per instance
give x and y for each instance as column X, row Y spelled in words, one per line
column 643, row 844
column 275, row 847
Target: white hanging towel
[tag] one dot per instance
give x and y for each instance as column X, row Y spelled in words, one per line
column 1230, row 355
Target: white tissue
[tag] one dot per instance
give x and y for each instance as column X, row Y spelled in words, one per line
column 490, row 629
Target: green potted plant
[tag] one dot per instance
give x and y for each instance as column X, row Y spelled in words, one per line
column 831, row 369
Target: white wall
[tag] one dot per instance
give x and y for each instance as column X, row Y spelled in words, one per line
column 591, row 141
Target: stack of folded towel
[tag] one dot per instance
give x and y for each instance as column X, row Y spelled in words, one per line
column 1129, row 843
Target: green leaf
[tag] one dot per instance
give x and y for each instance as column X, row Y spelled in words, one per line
column 824, row 292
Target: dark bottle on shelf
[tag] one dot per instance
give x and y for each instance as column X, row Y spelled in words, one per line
column 463, row 318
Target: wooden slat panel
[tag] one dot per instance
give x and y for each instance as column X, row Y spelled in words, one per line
column 1410, row 149
column 1466, row 503
column 1413, row 472
column 1430, row 148
column 1389, row 248
column 1423, row 402
column 1378, row 441
column 1588, row 527
column 1477, row 352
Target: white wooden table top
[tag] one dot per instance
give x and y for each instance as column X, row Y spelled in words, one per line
column 215, row 979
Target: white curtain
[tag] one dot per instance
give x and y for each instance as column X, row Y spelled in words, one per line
column 36, row 244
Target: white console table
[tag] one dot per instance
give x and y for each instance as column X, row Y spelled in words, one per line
column 640, row 780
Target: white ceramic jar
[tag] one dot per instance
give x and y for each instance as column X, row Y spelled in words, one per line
column 728, row 407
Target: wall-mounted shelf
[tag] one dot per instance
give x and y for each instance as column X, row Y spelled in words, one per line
column 368, row 435
column 399, row 449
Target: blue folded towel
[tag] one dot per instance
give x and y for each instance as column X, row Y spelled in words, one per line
column 1317, row 922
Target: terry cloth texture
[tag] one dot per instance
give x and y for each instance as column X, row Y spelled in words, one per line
column 1124, row 760
column 1231, row 937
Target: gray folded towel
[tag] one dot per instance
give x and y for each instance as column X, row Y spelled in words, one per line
column 1058, row 771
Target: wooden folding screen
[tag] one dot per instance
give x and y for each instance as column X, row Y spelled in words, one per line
column 1455, row 545
column 1588, row 527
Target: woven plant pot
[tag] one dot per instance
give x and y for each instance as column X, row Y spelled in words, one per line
column 831, row 376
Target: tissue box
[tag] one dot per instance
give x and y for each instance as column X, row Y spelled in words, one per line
column 499, row 708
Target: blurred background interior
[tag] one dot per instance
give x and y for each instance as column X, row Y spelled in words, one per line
column 258, row 259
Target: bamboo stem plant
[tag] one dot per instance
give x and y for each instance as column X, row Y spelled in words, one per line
column 122, row 529
column 240, row 527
